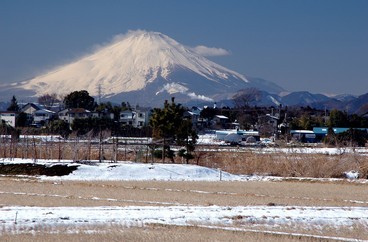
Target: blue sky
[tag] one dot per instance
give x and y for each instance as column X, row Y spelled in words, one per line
column 311, row 45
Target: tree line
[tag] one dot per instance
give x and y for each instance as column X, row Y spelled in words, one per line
column 167, row 125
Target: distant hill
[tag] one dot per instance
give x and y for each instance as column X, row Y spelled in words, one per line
column 349, row 103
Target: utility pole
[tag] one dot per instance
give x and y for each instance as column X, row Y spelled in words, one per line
column 100, row 147
column 99, row 91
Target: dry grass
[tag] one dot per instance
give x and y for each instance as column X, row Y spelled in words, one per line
column 152, row 233
column 286, row 164
column 121, row 193
column 245, row 161
column 69, row 151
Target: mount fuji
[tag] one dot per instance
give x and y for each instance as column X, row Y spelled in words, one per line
column 143, row 68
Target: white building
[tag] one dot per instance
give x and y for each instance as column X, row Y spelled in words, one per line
column 236, row 135
column 69, row 114
column 9, row 117
column 137, row 118
column 42, row 116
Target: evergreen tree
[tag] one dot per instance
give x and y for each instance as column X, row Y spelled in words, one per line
column 338, row 119
column 208, row 113
column 330, row 138
column 21, row 120
column 356, row 121
column 80, row 99
column 102, row 107
column 169, row 126
column 59, row 127
column 353, row 137
column 187, row 137
column 13, row 105
column 96, row 125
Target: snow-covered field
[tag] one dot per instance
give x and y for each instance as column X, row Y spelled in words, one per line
column 20, row 219
column 23, row 219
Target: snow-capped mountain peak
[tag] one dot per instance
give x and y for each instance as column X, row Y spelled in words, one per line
column 130, row 63
column 144, row 68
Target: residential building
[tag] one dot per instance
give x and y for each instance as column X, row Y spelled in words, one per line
column 142, row 117
column 103, row 114
column 137, row 118
column 30, row 108
column 9, row 117
column 37, row 114
column 195, row 115
column 220, row 121
column 268, row 125
column 69, row 114
column 42, row 117
column 127, row 117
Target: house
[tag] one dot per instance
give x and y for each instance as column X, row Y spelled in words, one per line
column 220, row 121
column 127, row 117
column 142, row 117
column 37, row 115
column 103, row 114
column 30, row 108
column 9, row 117
column 272, row 120
column 69, row 114
column 268, row 124
column 193, row 116
column 42, row 117
column 137, row 118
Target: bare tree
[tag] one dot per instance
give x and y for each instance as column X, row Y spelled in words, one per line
column 244, row 97
column 48, row 100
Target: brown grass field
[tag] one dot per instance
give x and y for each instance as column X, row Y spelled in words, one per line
column 156, row 233
column 35, row 192
column 28, row 191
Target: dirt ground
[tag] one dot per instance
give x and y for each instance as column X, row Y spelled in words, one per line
column 34, row 192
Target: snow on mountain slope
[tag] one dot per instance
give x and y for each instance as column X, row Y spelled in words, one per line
column 133, row 62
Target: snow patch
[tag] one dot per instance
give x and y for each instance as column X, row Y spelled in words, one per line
column 17, row 219
column 351, row 174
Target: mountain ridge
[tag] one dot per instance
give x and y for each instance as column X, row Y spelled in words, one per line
column 344, row 102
